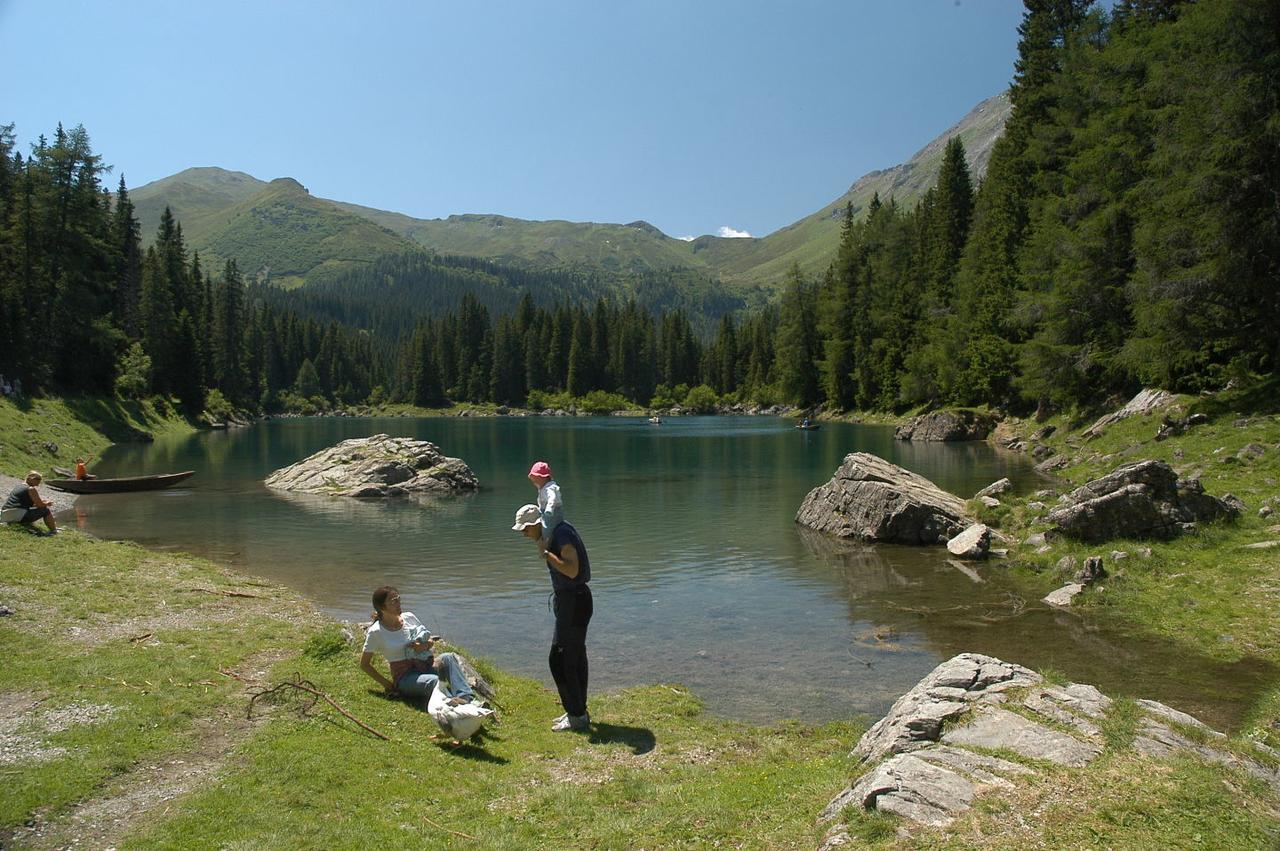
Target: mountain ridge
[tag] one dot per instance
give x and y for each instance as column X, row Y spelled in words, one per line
column 219, row 210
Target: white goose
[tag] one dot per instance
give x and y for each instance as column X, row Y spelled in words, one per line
column 458, row 722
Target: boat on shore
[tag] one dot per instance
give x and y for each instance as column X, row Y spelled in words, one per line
column 121, row 485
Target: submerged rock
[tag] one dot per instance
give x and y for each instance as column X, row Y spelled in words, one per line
column 377, row 466
column 872, row 499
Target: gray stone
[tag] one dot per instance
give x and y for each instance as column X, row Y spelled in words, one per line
column 1144, row 499
column 1252, row 452
column 989, row 501
column 999, row 728
column 995, row 488
column 1119, row 555
column 1145, row 402
column 1091, row 571
column 872, row 499
column 377, row 466
column 947, row 426
column 972, row 543
column 916, row 718
column 1064, row 595
column 1265, row 511
column 1035, row 505
column 1053, row 464
column 1069, row 705
column 1037, row 539
column 1262, row 545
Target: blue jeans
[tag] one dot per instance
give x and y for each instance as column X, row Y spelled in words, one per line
column 421, row 683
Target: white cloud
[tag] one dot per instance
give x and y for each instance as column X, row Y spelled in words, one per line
column 686, row 238
column 727, row 232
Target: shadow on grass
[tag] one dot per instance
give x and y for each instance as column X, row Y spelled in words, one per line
column 640, row 739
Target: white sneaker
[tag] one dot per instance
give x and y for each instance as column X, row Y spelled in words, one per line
column 561, row 724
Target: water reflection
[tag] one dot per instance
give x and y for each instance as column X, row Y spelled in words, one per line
column 700, row 573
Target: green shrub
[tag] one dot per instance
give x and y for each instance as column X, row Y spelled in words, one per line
column 132, row 372
column 701, row 400
column 216, row 406
column 600, row 402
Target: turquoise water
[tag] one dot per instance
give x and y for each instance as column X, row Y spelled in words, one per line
column 700, row 575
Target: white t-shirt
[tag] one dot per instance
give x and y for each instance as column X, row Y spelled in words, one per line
column 392, row 643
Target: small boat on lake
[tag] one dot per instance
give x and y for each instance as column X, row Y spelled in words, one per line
column 808, row 427
column 655, row 420
column 123, row 485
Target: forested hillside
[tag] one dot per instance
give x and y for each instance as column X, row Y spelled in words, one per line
column 1127, row 232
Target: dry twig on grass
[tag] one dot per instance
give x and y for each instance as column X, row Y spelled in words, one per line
column 227, row 593
column 439, row 826
column 307, row 687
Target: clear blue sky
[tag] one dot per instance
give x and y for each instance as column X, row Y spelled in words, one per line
column 691, row 114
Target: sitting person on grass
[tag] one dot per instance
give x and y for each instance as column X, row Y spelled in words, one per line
column 401, row 639
column 27, row 499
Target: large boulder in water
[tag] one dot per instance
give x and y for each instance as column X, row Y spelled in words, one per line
column 872, row 499
column 377, row 466
column 946, row 426
column 1145, row 499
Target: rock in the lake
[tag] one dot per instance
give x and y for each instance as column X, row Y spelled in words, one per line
column 973, row 543
column 947, row 426
column 871, row 499
column 1144, row 499
column 377, row 466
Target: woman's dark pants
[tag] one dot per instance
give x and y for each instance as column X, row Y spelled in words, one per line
column 568, row 659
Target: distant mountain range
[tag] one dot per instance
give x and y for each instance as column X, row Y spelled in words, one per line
column 278, row 227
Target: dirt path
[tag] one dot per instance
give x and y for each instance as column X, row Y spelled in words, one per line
column 102, row 821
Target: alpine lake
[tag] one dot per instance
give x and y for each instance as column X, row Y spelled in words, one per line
column 699, row 573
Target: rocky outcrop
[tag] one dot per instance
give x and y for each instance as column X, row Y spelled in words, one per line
column 1145, row 499
column 1146, row 402
column 931, row 757
column 995, row 488
column 377, row 466
column 946, row 426
column 872, row 499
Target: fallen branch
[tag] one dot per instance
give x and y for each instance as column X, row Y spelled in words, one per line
column 142, row 637
column 308, row 687
column 439, row 826
column 227, row 593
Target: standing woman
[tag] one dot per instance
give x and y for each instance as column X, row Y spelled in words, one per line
column 570, row 568
column 401, row 639
column 34, row 506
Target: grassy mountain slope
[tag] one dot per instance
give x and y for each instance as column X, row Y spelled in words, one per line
column 811, row 242
column 278, row 226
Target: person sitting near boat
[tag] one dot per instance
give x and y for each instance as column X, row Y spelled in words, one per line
column 25, row 505
column 82, row 471
column 401, row 639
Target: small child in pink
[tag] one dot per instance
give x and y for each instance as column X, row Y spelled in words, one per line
column 550, row 502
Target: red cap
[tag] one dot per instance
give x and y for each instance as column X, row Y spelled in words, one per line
column 541, row 468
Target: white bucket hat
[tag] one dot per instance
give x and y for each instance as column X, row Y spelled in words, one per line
column 527, row 515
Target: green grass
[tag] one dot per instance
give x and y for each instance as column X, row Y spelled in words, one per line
column 147, row 636
column 78, row 426
column 140, row 634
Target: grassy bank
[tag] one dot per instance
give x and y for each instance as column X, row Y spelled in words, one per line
column 36, row 434
column 123, row 666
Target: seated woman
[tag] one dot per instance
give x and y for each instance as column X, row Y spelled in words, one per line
column 401, row 639
column 34, row 506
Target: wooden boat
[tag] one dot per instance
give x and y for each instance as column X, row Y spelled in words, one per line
column 125, row 485
column 809, row 427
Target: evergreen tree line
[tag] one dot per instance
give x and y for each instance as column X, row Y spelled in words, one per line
column 386, row 297
column 1127, row 231
column 84, row 309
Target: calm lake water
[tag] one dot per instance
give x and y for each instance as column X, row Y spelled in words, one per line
column 700, row 575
